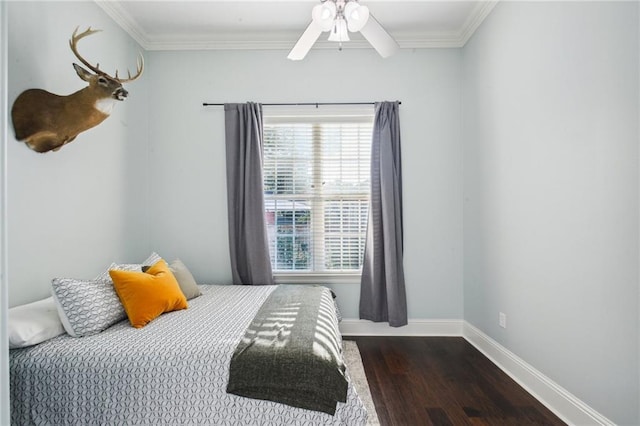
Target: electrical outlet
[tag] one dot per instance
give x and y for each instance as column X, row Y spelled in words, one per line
column 502, row 320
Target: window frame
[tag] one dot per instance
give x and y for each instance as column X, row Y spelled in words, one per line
column 314, row 115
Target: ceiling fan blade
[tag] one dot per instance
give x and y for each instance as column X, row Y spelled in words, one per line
column 379, row 38
column 305, row 42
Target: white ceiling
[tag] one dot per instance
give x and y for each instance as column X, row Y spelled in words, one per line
column 277, row 24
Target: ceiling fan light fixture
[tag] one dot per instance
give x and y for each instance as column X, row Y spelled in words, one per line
column 339, row 32
column 356, row 16
column 324, row 15
column 340, row 17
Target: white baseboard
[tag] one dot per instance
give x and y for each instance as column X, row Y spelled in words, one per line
column 416, row 327
column 561, row 402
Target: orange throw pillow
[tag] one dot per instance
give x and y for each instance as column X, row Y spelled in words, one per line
column 147, row 295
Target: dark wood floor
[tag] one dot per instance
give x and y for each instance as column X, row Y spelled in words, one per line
column 443, row 381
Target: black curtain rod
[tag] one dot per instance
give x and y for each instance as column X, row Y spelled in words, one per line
column 316, row 104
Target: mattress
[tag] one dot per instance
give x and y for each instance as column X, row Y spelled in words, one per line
column 173, row 371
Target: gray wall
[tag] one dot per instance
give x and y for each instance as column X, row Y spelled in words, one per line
column 73, row 212
column 188, row 209
column 541, row 105
column 551, row 193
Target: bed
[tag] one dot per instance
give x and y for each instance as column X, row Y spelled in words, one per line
column 175, row 370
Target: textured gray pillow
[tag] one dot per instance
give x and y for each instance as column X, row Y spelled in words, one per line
column 185, row 280
column 86, row 307
column 152, row 259
column 136, row 267
column 104, row 276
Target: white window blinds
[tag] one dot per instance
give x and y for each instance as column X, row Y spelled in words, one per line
column 316, row 187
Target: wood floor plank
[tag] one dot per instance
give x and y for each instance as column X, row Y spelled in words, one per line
column 438, row 417
column 443, row 381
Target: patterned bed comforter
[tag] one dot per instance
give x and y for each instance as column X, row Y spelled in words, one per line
column 173, row 371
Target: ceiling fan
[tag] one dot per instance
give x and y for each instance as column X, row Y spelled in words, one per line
column 341, row 17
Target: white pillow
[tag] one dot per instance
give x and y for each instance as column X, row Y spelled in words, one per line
column 33, row 323
column 86, row 307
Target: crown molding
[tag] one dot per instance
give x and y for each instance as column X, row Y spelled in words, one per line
column 435, row 41
column 125, row 21
column 427, row 40
column 477, row 17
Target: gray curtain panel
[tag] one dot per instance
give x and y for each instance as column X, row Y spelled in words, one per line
column 382, row 290
column 248, row 247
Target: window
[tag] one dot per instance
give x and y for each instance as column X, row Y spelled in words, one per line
column 316, row 187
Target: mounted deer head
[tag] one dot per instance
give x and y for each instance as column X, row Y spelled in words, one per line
column 46, row 121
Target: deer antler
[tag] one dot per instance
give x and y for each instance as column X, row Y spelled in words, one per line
column 74, row 42
column 139, row 69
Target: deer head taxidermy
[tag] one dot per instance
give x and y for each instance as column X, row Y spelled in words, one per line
column 46, row 122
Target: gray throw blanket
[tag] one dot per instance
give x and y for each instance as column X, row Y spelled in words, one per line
column 291, row 352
